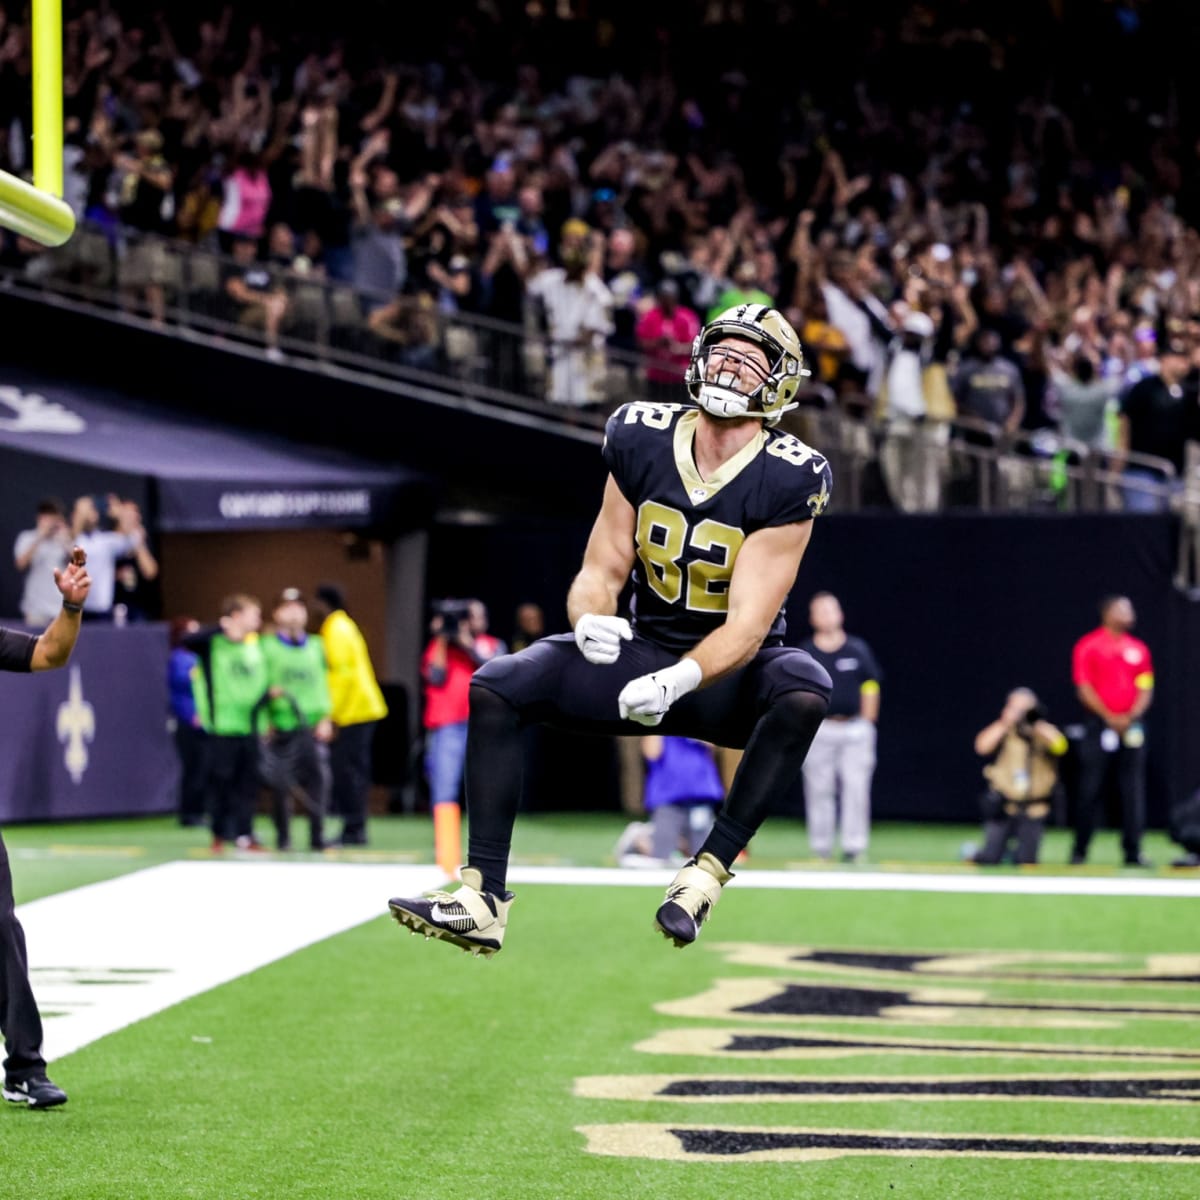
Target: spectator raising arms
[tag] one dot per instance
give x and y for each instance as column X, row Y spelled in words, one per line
column 105, row 548
column 1062, row 230
column 38, row 553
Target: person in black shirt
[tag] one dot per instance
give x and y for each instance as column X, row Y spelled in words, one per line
column 841, row 760
column 256, row 295
column 1159, row 414
column 25, row 1079
column 146, row 183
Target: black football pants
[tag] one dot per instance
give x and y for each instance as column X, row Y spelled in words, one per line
column 19, row 1019
column 772, row 707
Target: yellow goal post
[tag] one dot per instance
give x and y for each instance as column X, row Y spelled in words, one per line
column 37, row 211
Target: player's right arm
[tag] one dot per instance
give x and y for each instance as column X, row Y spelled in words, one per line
column 54, row 647
column 607, row 562
column 608, row 559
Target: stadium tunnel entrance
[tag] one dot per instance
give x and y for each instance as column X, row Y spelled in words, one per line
column 229, row 511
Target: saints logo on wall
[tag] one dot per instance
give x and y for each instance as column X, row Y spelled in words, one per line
column 75, row 727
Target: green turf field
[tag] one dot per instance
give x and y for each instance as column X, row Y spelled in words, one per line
column 374, row 1064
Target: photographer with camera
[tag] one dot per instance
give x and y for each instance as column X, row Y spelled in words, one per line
column 459, row 646
column 1021, row 777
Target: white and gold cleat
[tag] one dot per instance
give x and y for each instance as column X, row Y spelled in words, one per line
column 690, row 899
column 468, row 917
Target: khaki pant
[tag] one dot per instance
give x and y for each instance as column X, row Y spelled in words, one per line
column 915, row 462
column 839, row 766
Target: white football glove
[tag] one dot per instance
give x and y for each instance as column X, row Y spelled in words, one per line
column 647, row 698
column 599, row 638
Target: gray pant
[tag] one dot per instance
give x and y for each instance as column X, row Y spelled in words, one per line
column 998, row 832
column 839, row 765
column 670, row 822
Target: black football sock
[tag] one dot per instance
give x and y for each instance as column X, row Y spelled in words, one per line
column 495, row 756
column 726, row 839
column 771, row 762
column 490, row 859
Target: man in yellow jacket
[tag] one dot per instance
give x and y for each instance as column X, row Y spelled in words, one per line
column 357, row 704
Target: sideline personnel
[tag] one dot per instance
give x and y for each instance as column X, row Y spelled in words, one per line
column 1115, row 680
column 25, row 1079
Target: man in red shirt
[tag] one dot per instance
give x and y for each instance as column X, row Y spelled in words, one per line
column 460, row 644
column 1115, row 681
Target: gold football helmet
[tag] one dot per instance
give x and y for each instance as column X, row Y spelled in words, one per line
column 720, row 393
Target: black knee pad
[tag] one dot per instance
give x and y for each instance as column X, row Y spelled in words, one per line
column 797, row 714
column 491, row 708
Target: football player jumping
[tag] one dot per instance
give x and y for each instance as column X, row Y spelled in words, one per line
column 710, row 507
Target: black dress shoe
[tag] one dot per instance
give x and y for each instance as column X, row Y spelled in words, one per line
column 1138, row 860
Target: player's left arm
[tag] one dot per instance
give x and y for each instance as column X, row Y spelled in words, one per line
column 1144, row 682
column 868, row 692
column 762, row 577
column 868, row 701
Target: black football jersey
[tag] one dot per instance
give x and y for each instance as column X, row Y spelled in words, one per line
column 689, row 530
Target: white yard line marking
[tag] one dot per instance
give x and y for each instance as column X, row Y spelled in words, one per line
column 106, row 955
column 875, row 881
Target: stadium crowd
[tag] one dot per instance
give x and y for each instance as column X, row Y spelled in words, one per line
column 954, row 217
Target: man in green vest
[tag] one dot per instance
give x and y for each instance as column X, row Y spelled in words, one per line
column 233, row 680
column 296, row 748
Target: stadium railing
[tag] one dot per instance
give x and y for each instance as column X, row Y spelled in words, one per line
column 518, row 366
